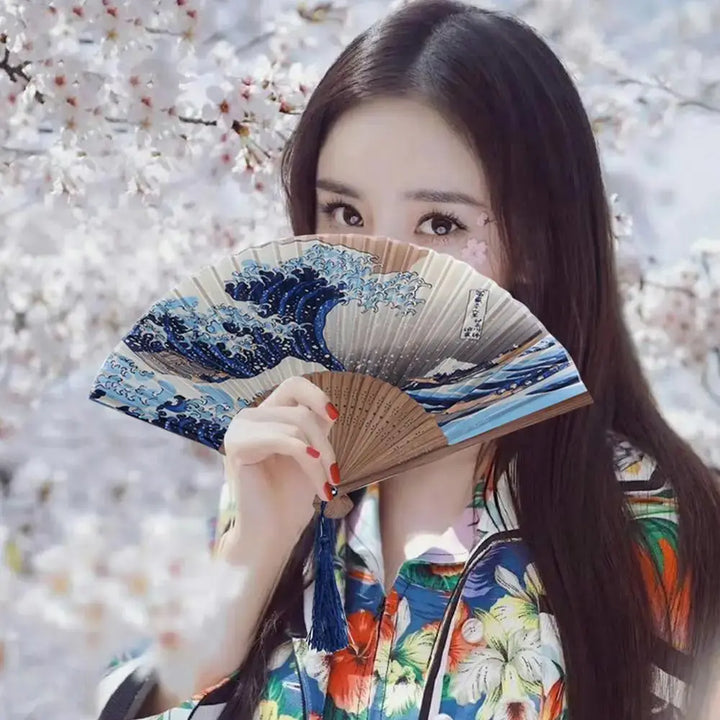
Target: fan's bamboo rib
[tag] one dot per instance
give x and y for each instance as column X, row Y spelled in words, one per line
column 399, row 426
column 363, row 394
column 351, row 404
column 375, row 394
column 339, row 437
column 387, row 416
column 565, row 406
column 370, row 434
column 380, row 414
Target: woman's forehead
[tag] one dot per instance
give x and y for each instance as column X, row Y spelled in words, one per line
column 403, row 146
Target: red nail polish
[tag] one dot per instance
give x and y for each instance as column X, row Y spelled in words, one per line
column 332, row 411
column 330, row 491
column 312, row 452
column 335, row 473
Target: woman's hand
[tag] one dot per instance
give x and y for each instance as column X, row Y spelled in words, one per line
column 277, row 458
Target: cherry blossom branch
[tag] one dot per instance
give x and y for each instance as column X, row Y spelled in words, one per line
column 250, row 44
column 22, row 152
column 683, row 100
column 161, row 31
column 705, row 382
column 17, row 71
column 668, row 288
column 13, row 71
column 197, row 121
column 705, row 379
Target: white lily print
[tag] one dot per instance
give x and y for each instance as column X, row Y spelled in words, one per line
column 407, row 661
column 506, row 672
column 520, row 605
column 316, row 663
column 519, row 608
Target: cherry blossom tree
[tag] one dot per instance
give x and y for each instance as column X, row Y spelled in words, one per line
column 138, row 136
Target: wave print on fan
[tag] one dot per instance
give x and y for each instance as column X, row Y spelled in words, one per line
column 459, row 349
column 520, row 383
column 285, row 316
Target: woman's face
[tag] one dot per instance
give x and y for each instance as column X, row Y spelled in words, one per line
column 394, row 167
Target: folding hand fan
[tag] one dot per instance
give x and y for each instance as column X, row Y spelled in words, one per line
column 421, row 354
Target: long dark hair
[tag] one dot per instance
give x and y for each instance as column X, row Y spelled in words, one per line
column 501, row 86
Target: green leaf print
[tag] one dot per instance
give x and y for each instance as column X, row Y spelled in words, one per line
column 273, row 689
column 433, row 577
column 332, row 712
column 414, row 651
column 653, row 530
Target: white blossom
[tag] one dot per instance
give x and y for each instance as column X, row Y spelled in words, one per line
column 140, row 135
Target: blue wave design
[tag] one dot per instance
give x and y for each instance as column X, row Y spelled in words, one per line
column 284, row 316
column 281, row 312
column 471, row 401
column 138, row 393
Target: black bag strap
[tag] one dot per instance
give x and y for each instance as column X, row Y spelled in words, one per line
column 130, row 695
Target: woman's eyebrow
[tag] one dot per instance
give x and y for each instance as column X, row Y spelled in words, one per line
column 337, row 187
column 441, row 196
column 438, row 196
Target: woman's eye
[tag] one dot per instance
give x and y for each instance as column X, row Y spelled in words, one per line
column 439, row 224
column 343, row 214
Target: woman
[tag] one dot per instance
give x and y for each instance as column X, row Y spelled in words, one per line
column 572, row 567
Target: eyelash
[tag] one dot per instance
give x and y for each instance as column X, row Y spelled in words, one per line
column 329, row 207
column 452, row 217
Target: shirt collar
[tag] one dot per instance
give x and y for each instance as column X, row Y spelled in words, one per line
column 490, row 510
column 362, row 528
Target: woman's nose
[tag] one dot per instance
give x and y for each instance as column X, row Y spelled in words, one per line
column 387, row 224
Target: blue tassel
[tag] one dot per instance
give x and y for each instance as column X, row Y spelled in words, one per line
column 329, row 630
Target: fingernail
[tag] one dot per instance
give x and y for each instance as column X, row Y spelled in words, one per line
column 335, row 473
column 332, row 411
column 330, row 491
column 312, row 452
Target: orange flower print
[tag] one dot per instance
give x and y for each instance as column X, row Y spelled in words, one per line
column 387, row 622
column 665, row 593
column 553, row 704
column 351, row 669
column 460, row 644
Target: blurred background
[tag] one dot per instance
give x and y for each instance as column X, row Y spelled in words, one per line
column 139, row 140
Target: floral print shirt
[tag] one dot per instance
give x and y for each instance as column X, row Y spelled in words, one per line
column 465, row 634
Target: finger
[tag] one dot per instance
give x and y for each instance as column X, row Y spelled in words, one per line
column 306, row 421
column 278, row 439
column 298, row 390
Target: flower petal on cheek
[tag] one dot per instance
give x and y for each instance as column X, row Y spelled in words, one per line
column 475, row 252
column 484, row 219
